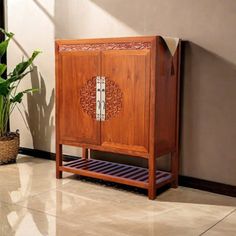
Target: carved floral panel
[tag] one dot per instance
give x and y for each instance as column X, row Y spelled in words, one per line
column 113, row 103
column 105, row 46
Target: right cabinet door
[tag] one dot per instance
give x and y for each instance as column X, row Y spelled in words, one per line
column 126, row 126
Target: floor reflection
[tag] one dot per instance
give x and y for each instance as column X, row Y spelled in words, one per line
column 33, row 202
column 18, row 183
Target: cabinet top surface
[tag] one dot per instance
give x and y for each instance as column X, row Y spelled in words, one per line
column 106, row 40
column 137, row 42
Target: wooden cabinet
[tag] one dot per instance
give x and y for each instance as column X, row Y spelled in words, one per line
column 118, row 95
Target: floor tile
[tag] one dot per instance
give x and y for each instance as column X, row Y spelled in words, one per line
column 33, row 202
column 127, row 213
column 77, row 205
column 27, row 178
column 226, row 227
column 189, row 195
column 20, row 221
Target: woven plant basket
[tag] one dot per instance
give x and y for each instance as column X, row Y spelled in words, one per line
column 9, row 147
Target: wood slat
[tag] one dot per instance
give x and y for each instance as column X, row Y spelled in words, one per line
column 124, row 172
column 144, row 178
column 95, row 165
column 132, row 173
column 102, row 167
column 120, row 173
column 76, row 163
column 73, row 162
column 104, row 177
column 80, row 165
column 138, row 175
column 111, row 169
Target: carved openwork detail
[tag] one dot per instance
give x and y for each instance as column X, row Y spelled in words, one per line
column 113, row 103
column 88, row 97
column 113, row 99
column 105, row 46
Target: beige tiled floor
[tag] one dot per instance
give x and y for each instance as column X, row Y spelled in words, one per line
column 33, row 202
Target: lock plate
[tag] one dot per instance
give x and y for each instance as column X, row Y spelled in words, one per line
column 98, row 98
column 103, row 98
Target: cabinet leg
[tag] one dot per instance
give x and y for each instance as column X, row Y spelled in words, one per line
column 175, row 169
column 151, row 193
column 58, row 161
column 152, row 178
column 85, row 153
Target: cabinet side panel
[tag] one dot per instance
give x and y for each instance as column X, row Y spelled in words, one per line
column 167, row 98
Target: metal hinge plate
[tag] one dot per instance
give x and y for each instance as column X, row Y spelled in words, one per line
column 100, row 98
column 103, row 98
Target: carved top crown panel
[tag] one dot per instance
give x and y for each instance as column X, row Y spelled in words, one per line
column 105, row 46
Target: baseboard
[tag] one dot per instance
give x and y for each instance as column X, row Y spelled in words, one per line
column 185, row 181
column 210, row 186
column 43, row 154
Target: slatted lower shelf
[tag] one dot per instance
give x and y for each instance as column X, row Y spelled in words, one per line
column 119, row 173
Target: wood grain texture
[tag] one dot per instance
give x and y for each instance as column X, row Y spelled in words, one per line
column 85, row 153
column 122, row 149
column 76, row 69
column 130, row 69
column 152, row 123
column 145, row 77
column 166, row 106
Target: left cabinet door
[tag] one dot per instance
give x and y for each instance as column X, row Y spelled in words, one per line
column 76, row 96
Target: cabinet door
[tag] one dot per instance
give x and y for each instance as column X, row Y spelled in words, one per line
column 77, row 97
column 127, row 75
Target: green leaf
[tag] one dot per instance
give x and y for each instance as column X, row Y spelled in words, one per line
column 9, row 35
column 2, row 80
column 15, row 78
column 4, row 44
column 3, row 68
column 4, row 87
column 19, row 96
column 3, row 47
column 21, row 67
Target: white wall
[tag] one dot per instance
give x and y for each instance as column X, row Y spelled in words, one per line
column 208, row 130
column 33, row 30
column 36, row 24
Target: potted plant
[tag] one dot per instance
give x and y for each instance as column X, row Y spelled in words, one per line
column 9, row 97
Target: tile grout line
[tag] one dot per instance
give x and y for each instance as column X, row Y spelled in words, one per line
column 30, row 196
column 30, row 209
column 34, row 195
column 230, row 213
column 43, row 192
column 17, row 204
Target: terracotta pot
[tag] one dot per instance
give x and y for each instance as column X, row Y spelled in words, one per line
column 9, row 147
